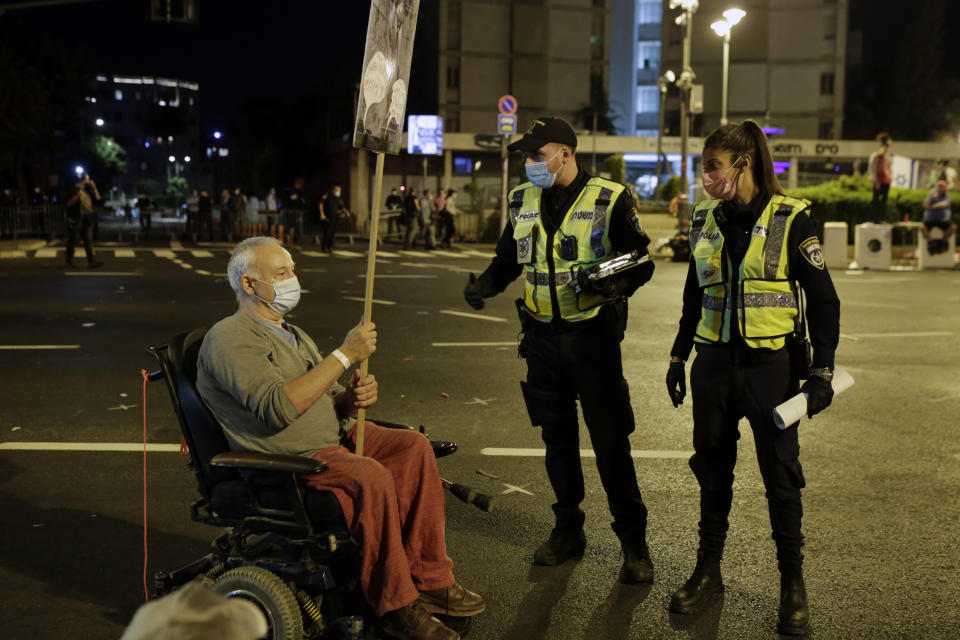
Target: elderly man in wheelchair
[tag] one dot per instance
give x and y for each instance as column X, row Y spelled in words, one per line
column 270, row 390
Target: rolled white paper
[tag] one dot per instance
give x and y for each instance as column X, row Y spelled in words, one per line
column 796, row 407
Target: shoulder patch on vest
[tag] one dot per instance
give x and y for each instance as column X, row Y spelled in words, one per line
column 810, row 248
column 634, row 221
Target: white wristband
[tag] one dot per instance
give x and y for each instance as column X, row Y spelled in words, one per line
column 344, row 360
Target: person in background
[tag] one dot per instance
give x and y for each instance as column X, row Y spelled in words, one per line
column 80, row 219
column 427, row 213
column 331, row 209
column 936, row 213
column 393, row 204
column 193, row 209
column 411, row 217
column 205, row 215
column 270, row 202
column 145, row 213
column 881, row 176
column 446, row 218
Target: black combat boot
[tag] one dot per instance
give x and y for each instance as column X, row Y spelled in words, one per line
column 560, row 547
column 794, row 616
column 705, row 583
column 637, row 567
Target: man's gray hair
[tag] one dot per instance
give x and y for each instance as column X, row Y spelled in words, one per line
column 244, row 262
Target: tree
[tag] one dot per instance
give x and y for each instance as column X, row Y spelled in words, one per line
column 177, row 189
column 599, row 105
column 108, row 153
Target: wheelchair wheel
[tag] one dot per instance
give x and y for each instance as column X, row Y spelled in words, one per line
column 271, row 596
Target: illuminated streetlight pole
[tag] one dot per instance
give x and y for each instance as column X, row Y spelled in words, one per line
column 723, row 28
column 685, row 83
column 663, row 83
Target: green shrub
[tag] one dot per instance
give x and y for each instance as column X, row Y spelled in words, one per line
column 665, row 192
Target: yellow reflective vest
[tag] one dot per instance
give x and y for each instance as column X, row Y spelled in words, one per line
column 586, row 223
column 767, row 309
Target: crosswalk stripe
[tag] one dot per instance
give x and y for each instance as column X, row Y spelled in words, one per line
column 88, row 446
column 164, row 253
column 448, row 254
column 346, row 254
column 374, row 300
column 200, row 253
column 314, row 254
column 387, row 254
column 479, row 254
column 472, row 315
column 414, row 254
column 124, row 253
column 45, row 253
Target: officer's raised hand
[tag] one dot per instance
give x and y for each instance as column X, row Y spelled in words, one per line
column 676, row 382
column 472, row 294
column 819, row 394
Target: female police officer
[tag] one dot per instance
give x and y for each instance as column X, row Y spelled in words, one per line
column 752, row 246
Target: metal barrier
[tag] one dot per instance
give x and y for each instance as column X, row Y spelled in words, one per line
column 42, row 221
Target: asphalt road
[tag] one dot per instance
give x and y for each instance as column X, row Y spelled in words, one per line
column 882, row 464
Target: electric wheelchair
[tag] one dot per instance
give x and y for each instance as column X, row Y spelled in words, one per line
column 285, row 548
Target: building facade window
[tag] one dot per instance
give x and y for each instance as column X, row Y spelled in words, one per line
column 826, row 84
column 648, row 55
column 650, row 11
column 825, row 129
column 648, row 99
column 453, row 75
column 453, row 25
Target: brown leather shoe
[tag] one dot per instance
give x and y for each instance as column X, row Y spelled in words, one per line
column 412, row 622
column 452, row 601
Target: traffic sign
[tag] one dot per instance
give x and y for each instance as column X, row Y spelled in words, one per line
column 507, row 105
column 506, row 124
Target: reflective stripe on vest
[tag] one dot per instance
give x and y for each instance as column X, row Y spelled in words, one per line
column 586, row 220
column 766, row 299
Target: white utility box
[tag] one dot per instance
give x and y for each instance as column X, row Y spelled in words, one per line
column 945, row 260
column 835, row 245
column 872, row 245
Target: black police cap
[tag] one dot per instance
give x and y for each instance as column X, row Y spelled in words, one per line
column 544, row 130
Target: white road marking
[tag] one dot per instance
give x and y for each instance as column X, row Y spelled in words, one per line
column 184, row 265
column 472, row 315
column 347, row 254
column 415, row 254
column 201, row 253
column 481, row 401
column 411, row 276
column 88, row 324
column 916, row 334
column 45, row 253
column 844, row 336
column 878, row 305
column 164, row 253
column 103, row 273
column 474, row 344
column 87, row 446
column 514, row 489
column 26, row 347
column 447, row 254
column 479, row 254
column 175, row 244
column 13, row 253
column 122, row 407
column 387, row 254
column 315, row 254
column 124, row 253
column 374, row 300
column 584, row 453
column 202, row 272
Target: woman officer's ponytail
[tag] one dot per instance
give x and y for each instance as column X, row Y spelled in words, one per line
column 748, row 138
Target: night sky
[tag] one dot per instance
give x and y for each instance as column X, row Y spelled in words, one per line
column 238, row 49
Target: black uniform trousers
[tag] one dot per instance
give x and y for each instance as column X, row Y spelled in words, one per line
column 729, row 383
column 582, row 361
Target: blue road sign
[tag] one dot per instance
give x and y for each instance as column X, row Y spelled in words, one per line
column 506, row 125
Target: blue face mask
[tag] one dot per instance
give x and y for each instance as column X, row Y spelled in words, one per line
column 539, row 175
column 286, row 295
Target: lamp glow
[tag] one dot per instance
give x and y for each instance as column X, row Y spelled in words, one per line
column 721, row 28
column 172, row 159
column 99, row 122
column 733, row 16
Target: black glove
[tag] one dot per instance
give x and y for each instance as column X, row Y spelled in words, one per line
column 819, row 394
column 603, row 287
column 676, row 383
column 471, row 293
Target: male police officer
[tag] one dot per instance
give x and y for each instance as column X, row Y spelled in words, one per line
column 561, row 222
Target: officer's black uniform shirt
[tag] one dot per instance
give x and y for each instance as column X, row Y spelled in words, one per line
column 736, row 222
column 625, row 236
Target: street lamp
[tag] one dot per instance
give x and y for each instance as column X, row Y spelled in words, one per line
column 99, row 122
column 723, row 28
column 685, row 83
column 663, row 83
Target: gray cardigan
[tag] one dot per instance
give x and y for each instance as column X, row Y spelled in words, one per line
column 241, row 371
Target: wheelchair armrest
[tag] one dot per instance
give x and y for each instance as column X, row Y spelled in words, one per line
column 268, row 462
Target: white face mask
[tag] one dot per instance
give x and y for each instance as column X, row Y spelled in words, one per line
column 286, row 295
